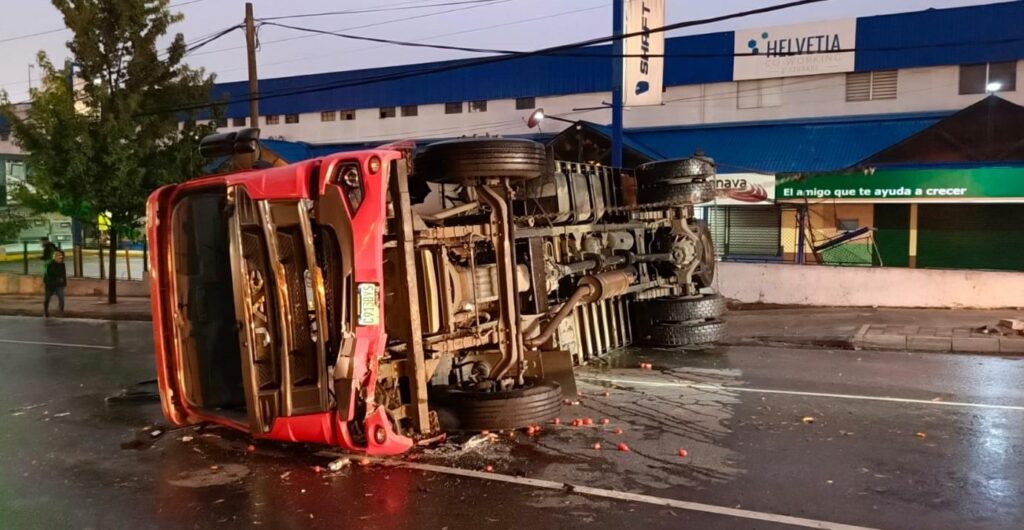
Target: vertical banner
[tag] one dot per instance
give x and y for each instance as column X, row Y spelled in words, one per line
column 643, row 74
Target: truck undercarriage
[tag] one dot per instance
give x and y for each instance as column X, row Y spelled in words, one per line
column 367, row 317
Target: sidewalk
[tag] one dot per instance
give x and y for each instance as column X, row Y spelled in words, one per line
column 127, row 308
column 935, row 330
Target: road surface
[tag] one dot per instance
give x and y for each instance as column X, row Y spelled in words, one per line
column 775, row 438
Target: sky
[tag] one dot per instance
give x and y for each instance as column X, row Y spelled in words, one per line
column 504, row 24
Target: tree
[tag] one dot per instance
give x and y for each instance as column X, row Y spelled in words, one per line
column 102, row 145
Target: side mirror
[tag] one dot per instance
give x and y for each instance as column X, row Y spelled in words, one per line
column 233, row 143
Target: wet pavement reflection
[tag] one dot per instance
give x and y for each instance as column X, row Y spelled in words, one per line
column 68, row 458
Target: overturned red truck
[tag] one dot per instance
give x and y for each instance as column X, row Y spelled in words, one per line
column 372, row 299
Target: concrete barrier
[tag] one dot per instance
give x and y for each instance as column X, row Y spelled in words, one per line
column 821, row 285
column 30, row 284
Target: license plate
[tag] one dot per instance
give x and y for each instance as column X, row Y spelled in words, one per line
column 369, row 305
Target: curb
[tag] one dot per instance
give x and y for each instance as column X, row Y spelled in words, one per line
column 77, row 314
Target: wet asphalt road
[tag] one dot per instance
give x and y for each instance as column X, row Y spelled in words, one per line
column 69, row 460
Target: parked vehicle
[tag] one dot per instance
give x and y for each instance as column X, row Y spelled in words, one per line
column 326, row 302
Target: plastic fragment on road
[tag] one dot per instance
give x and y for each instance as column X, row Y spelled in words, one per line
column 339, row 464
column 155, row 432
column 683, row 453
column 921, row 435
column 186, row 438
column 808, row 419
column 623, row 447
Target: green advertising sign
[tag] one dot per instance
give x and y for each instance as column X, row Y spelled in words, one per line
column 906, row 185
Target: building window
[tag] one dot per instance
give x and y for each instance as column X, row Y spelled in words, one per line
column 454, row 107
column 272, row 119
column 478, row 106
column 387, row 112
column 869, row 86
column 410, row 110
column 759, row 93
column 529, row 103
column 347, row 115
column 238, row 122
column 220, row 122
column 291, row 118
column 328, row 115
column 976, row 78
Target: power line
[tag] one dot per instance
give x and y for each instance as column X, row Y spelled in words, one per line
column 56, row 30
column 627, row 55
column 393, row 7
column 370, row 25
column 497, row 59
column 440, row 35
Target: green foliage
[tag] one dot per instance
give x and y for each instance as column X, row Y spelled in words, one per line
column 101, row 148
column 11, row 223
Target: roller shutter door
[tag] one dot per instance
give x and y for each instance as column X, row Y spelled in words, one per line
column 745, row 230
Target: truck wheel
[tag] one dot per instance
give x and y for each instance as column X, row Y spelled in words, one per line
column 704, row 275
column 675, row 334
column 692, row 167
column 695, row 192
column 671, row 309
column 463, row 160
column 467, row 410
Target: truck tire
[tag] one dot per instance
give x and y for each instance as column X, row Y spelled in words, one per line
column 466, row 160
column 466, row 410
column 672, row 309
column 673, row 334
column 704, row 275
column 695, row 192
column 692, row 167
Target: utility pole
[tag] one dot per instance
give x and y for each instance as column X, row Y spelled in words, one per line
column 254, row 86
column 617, row 47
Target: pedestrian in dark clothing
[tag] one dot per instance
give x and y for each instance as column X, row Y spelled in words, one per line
column 54, row 280
column 48, row 248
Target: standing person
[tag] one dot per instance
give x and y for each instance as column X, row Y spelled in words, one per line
column 48, row 248
column 54, row 281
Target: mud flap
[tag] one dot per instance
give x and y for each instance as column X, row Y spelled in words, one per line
column 554, row 365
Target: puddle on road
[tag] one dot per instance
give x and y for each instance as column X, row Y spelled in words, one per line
column 211, row 476
column 655, row 423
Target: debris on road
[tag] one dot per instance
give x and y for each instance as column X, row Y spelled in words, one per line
column 808, row 419
column 250, row 449
column 186, row 439
column 623, row 447
column 339, row 464
column 683, row 453
column 597, row 446
column 155, row 433
column 616, row 431
column 921, row 435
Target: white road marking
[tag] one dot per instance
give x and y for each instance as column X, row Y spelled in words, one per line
column 626, row 496
column 61, row 344
column 714, row 387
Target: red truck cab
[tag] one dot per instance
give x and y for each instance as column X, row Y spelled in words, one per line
column 281, row 269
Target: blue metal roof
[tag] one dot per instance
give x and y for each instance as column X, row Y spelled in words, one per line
column 819, row 144
column 892, row 41
column 923, row 38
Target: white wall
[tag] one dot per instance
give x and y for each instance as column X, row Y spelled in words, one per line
column 819, row 285
column 919, row 90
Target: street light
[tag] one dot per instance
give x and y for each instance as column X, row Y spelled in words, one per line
column 538, row 116
column 993, row 87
